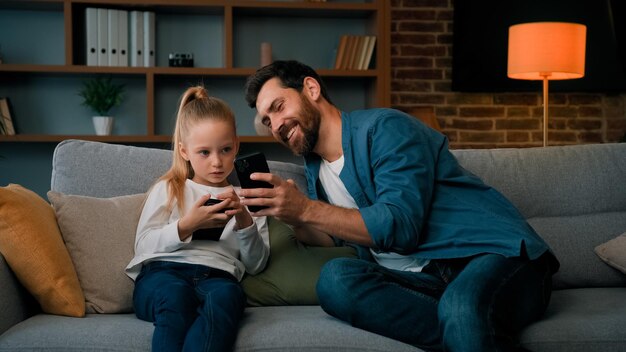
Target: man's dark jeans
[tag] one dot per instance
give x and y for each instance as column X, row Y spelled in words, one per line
column 476, row 304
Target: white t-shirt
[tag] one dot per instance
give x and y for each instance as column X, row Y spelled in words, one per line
column 157, row 238
column 338, row 195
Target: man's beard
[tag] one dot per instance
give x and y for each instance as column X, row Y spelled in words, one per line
column 309, row 122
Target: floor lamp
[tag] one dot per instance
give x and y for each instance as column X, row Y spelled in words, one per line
column 546, row 51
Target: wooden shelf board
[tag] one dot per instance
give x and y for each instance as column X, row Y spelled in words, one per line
column 115, row 138
column 174, row 71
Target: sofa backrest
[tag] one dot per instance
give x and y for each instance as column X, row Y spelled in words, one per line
column 107, row 170
column 573, row 196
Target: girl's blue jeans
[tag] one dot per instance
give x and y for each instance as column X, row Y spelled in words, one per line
column 472, row 304
column 193, row 307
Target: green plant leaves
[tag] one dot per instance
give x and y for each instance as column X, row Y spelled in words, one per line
column 100, row 94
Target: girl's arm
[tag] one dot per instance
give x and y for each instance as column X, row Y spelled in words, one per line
column 252, row 235
column 155, row 232
column 160, row 232
column 254, row 246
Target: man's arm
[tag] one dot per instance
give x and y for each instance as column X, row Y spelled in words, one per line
column 313, row 220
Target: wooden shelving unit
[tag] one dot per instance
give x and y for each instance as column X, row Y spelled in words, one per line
column 155, row 84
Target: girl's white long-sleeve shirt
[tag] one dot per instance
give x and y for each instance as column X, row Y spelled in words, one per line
column 236, row 252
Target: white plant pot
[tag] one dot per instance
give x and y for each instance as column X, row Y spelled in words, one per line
column 103, row 125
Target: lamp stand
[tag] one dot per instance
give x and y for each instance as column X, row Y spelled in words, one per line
column 545, row 108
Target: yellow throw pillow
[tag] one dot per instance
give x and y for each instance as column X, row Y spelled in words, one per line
column 31, row 243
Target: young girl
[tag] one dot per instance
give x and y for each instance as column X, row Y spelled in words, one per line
column 189, row 287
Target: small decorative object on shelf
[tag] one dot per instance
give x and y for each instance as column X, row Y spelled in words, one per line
column 180, row 60
column 6, row 121
column 101, row 95
column 266, row 53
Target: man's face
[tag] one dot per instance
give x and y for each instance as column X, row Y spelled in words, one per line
column 293, row 119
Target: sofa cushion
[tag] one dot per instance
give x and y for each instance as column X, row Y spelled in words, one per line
column 573, row 238
column 108, row 170
column 293, row 328
column 32, row 246
column 613, row 252
column 94, row 332
column 580, row 320
column 307, row 328
column 100, row 236
column 292, row 270
column 574, row 197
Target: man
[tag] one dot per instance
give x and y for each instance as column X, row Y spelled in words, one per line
column 446, row 262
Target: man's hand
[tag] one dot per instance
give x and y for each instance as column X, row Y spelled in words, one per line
column 285, row 202
column 242, row 217
column 313, row 220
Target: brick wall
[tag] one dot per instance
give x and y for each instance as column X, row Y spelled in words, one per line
column 421, row 69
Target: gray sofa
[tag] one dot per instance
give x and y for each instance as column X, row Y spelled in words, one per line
column 574, row 196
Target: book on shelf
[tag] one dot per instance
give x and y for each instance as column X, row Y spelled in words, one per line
column 371, row 44
column 122, row 37
column 91, row 33
column 6, row 120
column 113, row 37
column 148, row 39
column 360, row 43
column 360, row 59
column 341, row 51
column 355, row 52
column 103, row 37
column 106, row 34
column 136, row 39
column 351, row 50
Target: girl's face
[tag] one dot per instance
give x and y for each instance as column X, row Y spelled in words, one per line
column 211, row 147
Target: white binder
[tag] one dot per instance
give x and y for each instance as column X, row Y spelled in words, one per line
column 148, row 39
column 91, row 31
column 122, row 39
column 136, row 38
column 103, row 41
column 113, row 38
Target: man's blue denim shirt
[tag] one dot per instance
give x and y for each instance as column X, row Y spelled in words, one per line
column 415, row 198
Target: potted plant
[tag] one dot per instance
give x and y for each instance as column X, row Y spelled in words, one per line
column 101, row 95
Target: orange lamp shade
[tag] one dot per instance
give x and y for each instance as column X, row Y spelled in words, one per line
column 555, row 50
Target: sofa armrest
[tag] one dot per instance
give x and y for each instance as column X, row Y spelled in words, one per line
column 16, row 304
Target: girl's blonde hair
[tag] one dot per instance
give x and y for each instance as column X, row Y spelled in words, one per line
column 195, row 105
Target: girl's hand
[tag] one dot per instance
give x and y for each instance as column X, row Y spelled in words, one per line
column 242, row 216
column 201, row 216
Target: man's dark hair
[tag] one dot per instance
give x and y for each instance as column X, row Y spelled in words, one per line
column 291, row 74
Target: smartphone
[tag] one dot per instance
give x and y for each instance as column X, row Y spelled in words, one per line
column 247, row 165
column 213, row 201
column 212, row 234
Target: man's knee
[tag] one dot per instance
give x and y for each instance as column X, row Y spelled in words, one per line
column 336, row 274
column 335, row 285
